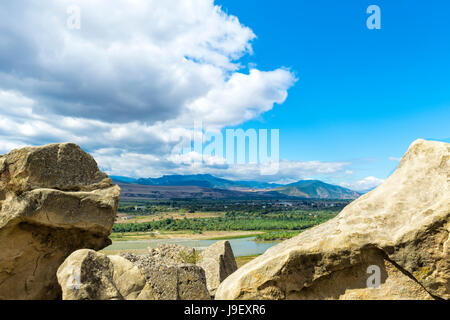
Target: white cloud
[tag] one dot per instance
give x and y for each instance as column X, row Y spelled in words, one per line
column 287, row 170
column 364, row 184
column 131, row 80
column 134, row 60
column 8, row 145
column 395, row 159
column 137, row 149
column 128, row 85
column 242, row 97
column 113, row 161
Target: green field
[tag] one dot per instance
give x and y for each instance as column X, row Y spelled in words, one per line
column 274, row 221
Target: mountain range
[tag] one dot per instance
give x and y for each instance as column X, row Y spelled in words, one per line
column 197, row 186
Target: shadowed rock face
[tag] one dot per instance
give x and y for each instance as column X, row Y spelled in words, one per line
column 402, row 228
column 53, row 200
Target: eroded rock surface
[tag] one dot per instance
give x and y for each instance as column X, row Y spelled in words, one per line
column 168, row 273
column 53, row 200
column 402, row 227
column 89, row 275
column 218, row 262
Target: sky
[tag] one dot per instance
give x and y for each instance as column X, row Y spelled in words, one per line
column 128, row 84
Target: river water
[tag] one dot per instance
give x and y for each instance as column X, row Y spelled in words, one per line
column 241, row 247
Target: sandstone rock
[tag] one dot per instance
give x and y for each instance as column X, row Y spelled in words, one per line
column 88, row 275
column 160, row 275
column 172, row 254
column 53, row 201
column 218, row 262
column 402, row 227
column 168, row 276
column 192, row 283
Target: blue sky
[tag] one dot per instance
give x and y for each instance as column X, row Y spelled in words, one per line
column 127, row 87
column 363, row 95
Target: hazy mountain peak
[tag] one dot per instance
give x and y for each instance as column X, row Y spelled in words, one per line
column 312, row 189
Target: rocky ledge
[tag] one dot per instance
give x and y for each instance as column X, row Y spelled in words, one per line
column 398, row 233
column 392, row 243
column 53, row 200
column 169, row 272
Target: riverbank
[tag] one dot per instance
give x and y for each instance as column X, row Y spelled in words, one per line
column 242, row 246
column 205, row 235
column 276, row 235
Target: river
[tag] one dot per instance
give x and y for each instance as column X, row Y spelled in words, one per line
column 241, row 247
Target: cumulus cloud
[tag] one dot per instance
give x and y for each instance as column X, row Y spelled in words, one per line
column 133, row 60
column 193, row 163
column 128, row 85
column 364, row 184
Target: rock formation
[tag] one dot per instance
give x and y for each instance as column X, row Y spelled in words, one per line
column 53, row 201
column 172, row 254
column 391, row 243
column 88, row 275
column 218, row 262
column 171, row 272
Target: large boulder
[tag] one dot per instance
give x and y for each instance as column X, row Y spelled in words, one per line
column 171, row 271
column 218, row 262
column 89, row 275
column 53, row 200
column 392, row 243
column 160, row 275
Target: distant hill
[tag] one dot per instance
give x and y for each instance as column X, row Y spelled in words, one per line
column 315, row 189
column 258, row 185
column 131, row 191
column 206, row 186
column 198, row 180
